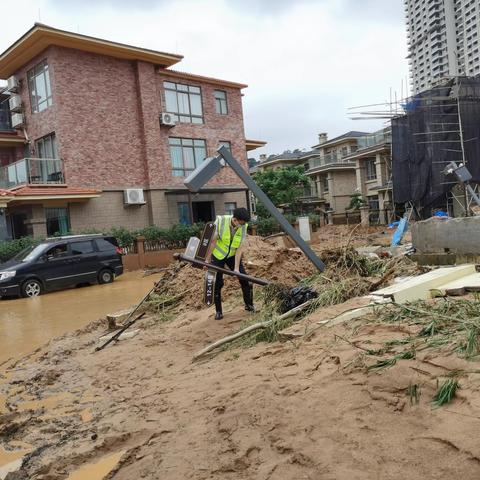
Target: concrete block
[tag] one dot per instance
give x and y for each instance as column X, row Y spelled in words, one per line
column 447, row 235
column 418, row 288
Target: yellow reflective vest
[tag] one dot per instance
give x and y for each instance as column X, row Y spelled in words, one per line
column 227, row 245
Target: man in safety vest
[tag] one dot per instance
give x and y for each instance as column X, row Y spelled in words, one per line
column 227, row 249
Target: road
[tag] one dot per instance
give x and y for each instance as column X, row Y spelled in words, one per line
column 27, row 323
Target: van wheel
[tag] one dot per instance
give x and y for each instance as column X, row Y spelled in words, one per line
column 105, row 276
column 31, row 288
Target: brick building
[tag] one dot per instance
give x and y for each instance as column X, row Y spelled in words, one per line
column 95, row 134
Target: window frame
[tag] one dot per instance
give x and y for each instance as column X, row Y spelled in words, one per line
column 221, row 104
column 370, row 169
column 229, row 212
column 67, row 210
column 184, row 89
column 32, row 74
column 184, row 144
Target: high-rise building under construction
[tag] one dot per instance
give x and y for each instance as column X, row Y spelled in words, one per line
column 443, row 40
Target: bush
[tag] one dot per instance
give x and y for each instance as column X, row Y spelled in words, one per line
column 10, row 248
column 314, row 219
column 125, row 237
column 267, row 226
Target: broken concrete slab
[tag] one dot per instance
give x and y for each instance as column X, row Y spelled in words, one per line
column 118, row 317
column 124, row 336
column 470, row 283
column 447, row 235
column 418, row 288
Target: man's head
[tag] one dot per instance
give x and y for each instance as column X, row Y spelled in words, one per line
column 240, row 217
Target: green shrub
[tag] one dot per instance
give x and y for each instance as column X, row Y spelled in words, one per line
column 267, row 226
column 125, row 237
column 10, row 248
column 314, row 219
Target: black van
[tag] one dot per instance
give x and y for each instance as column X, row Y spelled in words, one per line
column 59, row 263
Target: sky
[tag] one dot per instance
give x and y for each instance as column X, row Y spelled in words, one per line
column 307, row 62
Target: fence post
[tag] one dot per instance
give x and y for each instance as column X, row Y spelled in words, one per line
column 365, row 215
column 140, row 241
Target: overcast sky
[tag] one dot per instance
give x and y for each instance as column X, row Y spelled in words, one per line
column 305, row 61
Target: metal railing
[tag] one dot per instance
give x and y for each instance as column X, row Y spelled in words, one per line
column 32, row 171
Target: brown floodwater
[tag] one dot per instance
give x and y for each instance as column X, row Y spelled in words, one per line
column 27, row 323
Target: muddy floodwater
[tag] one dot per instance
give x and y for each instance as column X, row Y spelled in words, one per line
column 27, row 323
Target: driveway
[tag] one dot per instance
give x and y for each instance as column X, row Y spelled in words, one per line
column 27, row 323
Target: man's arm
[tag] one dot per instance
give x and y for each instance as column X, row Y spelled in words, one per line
column 238, row 256
column 213, row 243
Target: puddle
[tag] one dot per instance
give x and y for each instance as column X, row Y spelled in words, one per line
column 86, row 415
column 11, row 460
column 27, row 323
column 98, row 470
column 10, row 467
column 47, row 403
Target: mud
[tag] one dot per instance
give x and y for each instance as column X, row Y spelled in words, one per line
column 303, row 409
column 27, row 323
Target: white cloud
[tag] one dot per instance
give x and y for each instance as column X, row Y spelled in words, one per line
column 305, row 62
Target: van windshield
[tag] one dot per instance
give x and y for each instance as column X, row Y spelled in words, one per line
column 30, row 253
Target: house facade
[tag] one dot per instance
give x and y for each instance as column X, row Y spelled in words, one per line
column 96, row 134
column 334, row 173
column 374, row 174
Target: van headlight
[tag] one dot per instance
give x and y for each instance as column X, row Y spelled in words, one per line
column 5, row 275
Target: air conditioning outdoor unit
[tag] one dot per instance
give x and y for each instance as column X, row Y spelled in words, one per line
column 133, row 196
column 13, row 85
column 167, row 119
column 18, row 120
column 15, row 103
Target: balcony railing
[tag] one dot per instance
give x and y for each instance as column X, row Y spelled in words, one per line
column 32, row 171
column 328, row 159
column 378, row 138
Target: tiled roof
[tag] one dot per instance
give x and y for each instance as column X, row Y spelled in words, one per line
column 41, row 191
column 351, row 134
column 288, row 156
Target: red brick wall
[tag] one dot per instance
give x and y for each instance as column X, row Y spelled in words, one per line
column 105, row 115
column 10, row 155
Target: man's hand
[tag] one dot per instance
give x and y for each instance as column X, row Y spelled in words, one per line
column 207, row 260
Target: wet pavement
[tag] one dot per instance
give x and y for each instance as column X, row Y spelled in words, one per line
column 27, row 323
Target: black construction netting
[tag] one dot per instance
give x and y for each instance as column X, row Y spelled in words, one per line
column 427, row 138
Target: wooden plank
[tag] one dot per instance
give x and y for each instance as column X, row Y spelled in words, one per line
column 469, row 283
column 418, row 288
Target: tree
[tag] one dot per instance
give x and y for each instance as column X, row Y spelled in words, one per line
column 356, row 202
column 284, row 185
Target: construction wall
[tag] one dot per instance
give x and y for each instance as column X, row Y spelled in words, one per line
column 451, row 235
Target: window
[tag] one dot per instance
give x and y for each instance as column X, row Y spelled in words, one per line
column 230, row 207
column 187, row 154
column 184, row 213
column 185, row 101
column 39, row 87
column 324, row 183
column 58, row 221
column 373, row 203
column 79, row 248
column 106, row 244
column 225, row 144
column 221, row 102
column 370, row 169
column 57, row 251
column 46, row 147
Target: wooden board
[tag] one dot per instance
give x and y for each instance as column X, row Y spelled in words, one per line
column 469, row 283
column 209, row 286
column 205, row 241
column 418, row 288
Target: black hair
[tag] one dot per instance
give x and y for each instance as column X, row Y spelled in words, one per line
column 241, row 214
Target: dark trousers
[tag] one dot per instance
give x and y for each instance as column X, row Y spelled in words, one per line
column 246, row 286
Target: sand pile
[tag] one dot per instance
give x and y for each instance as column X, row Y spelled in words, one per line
column 261, row 259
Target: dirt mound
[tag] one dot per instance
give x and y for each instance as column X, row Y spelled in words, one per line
column 261, row 259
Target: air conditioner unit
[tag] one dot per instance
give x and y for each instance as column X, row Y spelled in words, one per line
column 133, row 196
column 15, row 103
column 13, row 85
column 167, row 119
column 18, row 120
